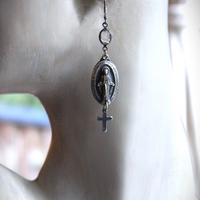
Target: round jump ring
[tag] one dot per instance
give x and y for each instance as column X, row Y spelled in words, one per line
column 105, row 107
column 105, row 48
column 105, row 56
column 105, row 25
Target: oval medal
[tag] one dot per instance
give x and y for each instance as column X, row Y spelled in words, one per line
column 105, row 82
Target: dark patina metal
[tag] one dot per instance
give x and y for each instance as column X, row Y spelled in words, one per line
column 105, row 77
column 105, row 118
column 105, row 82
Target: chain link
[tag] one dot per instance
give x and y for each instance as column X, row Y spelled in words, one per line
column 105, row 25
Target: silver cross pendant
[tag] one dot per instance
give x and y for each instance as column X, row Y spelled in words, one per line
column 105, row 118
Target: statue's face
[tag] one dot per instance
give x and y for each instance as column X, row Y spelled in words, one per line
column 105, row 71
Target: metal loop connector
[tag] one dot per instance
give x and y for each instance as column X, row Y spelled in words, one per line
column 105, row 107
column 105, row 48
column 105, row 24
column 105, row 56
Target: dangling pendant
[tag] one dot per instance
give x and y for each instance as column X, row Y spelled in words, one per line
column 105, row 77
column 105, row 82
column 105, row 86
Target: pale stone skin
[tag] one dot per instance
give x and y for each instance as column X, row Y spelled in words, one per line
column 49, row 49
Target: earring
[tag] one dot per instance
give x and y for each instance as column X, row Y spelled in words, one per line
column 105, row 77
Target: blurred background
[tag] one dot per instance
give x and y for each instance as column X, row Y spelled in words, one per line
column 25, row 134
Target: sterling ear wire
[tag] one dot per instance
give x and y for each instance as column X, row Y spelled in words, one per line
column 105, row 77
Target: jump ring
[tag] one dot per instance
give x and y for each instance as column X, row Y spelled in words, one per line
column 105, row 25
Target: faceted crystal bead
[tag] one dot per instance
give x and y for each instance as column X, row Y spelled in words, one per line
column 105, row 36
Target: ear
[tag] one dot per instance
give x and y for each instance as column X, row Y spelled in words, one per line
column 83, row 7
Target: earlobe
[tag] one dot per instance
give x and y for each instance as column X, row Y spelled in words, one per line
column 83, row 7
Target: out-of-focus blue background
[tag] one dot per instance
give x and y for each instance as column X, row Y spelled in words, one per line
column 25, row 134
